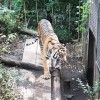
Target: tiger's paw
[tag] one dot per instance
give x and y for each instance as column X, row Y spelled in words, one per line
column 47, row 76
column 58, row 67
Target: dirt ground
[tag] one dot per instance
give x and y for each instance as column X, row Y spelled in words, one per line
column 69, row 73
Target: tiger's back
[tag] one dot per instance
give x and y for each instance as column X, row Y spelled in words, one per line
column 45, row 30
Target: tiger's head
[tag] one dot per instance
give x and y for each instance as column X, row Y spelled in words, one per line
column 59, row 54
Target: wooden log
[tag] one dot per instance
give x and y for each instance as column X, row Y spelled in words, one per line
column 20, row 64
column 27, row 31
column 55, row 84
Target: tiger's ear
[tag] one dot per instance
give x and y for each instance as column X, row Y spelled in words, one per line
column 54, row 46
column 63, row 45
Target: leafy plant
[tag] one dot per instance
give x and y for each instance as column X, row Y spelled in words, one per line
column 8, row 21
column 90, row 91
column 11, row 37
column 6, row 85
column 6, row 42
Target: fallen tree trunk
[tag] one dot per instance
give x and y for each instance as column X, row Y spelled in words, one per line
column 27, row 31
column 19, row 64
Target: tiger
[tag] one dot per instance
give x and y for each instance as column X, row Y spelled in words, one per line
column 50, row 46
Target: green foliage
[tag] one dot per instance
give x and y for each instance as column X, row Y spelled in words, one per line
column 18, row 7
column 50, row 4
column 6, row 42
column 62, row 33
column 8, row 21
column 6, row 84
column 11, row 37
column 85, row 10
column 91, row 91
column 29, row 12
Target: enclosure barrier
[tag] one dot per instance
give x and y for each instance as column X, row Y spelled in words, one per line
column 55, row 84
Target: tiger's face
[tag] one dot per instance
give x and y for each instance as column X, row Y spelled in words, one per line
column 59, row 54
column 62, row 54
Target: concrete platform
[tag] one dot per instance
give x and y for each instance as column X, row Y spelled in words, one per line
column 42, row 88
column 32, row 52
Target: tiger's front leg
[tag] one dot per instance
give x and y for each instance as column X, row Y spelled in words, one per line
column 46, row 69
column 45, row 64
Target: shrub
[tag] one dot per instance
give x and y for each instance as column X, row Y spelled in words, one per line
column 6, row 85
